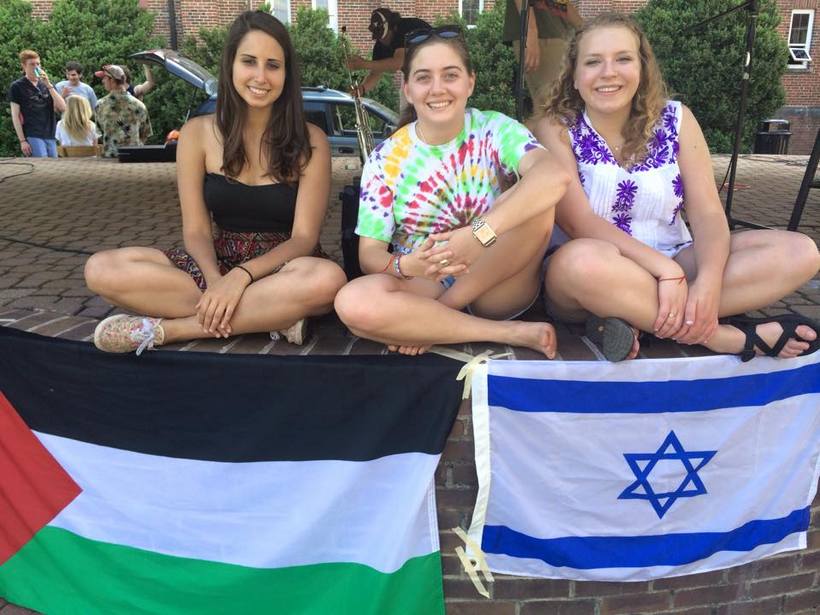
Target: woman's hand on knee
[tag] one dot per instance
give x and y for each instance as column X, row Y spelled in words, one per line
column 462, row 250
column 672, row 294
column 218, row 303
column 701, row 315
column 437, row 258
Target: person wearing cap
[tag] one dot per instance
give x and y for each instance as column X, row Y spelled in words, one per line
column 122, row 118
column 34, row 101
column 388, row 29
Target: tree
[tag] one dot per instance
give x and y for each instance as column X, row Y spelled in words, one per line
column 703, row 67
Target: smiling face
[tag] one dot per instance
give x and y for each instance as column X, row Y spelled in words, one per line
column 73, row 77
column 259, row 69
column 438, row 86
column 608, row 69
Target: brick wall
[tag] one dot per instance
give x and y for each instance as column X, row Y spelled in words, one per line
column 787, row 584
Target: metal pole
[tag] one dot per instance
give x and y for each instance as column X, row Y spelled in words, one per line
column 172, row 24
column 522, row 46
column 751, row 24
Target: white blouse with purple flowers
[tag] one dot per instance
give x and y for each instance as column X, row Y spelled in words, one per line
column 644, row 201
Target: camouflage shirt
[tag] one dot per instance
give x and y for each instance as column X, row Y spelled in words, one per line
column 123, row 120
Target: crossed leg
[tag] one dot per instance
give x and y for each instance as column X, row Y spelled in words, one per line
column 418, row 313
column 588, row 275
column 144, row 281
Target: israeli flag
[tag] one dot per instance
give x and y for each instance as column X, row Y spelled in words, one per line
column 643, row 469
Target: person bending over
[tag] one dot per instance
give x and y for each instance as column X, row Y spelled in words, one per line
column 433, row 193
column 262, row 174
column 639, row 162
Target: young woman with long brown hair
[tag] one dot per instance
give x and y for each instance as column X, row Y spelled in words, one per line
column 262, row 174
column 639, row 162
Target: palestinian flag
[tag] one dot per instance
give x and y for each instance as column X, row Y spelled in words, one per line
column 203, row 483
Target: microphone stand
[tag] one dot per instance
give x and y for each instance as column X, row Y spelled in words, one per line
column 522, row 46
column 751, row 26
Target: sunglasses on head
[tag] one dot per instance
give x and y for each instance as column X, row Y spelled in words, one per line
column 417, row 37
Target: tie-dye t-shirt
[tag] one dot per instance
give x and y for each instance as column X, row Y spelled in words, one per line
column 410, row 189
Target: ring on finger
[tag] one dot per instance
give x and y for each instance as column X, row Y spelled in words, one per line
column 444, row 262
column 671, row 315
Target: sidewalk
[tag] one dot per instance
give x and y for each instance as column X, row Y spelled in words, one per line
column 61, row 210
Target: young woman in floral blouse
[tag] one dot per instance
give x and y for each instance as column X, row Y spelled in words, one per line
column 432, row 193
column 639, row 162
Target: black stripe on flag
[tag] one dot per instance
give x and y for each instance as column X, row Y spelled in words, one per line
column 231, row 407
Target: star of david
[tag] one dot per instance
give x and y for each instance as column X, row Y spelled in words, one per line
column 642, row 465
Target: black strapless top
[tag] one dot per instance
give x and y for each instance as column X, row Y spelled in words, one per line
column 242, row 208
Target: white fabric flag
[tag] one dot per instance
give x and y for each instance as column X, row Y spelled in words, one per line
column 643, row 469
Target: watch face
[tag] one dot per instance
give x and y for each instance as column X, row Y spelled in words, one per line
column 484, row 234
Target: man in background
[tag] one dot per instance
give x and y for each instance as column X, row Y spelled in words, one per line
column 549, row 27
column 388, row 29
column 73, row 84
column 122, row 118
column 34, row 102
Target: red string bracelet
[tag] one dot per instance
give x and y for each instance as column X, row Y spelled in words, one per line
column 679, row 279
column 387, row 266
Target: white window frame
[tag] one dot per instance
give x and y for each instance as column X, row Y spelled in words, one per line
column 461, row 10
column 285, row 21
column 333, row 12
column 807, row 45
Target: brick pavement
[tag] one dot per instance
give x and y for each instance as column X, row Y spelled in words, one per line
column 85, row 205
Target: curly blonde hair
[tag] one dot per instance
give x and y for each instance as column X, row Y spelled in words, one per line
column 565, row 103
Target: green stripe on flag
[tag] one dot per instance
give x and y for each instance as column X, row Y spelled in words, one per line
column 59, row 572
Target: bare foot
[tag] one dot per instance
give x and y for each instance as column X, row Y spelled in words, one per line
column 731, row 339
column 539, row 336
column 408, row 350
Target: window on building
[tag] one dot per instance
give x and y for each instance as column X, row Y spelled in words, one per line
column 331, row 6
column 281, row 10
column 800, row 29
column 470, row 10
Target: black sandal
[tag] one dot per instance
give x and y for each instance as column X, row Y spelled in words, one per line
column 612, row 335
column 789, row 322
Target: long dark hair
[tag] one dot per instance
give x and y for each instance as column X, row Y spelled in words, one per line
column 459, row 45
column 565, row 103
column 286, row 141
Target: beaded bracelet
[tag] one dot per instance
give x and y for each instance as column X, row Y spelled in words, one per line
column 397, row 268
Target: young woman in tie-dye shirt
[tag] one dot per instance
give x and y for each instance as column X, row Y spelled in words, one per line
column 432, row 194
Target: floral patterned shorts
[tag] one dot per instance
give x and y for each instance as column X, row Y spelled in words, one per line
column 232, row 249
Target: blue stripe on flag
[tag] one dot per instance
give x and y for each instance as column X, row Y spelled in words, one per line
column 637, row 551
column 531, row 395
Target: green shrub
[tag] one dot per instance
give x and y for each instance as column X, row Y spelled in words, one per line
column 703, row 67
column 494, row 63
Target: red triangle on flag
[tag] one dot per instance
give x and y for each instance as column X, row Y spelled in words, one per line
column 33, row 486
